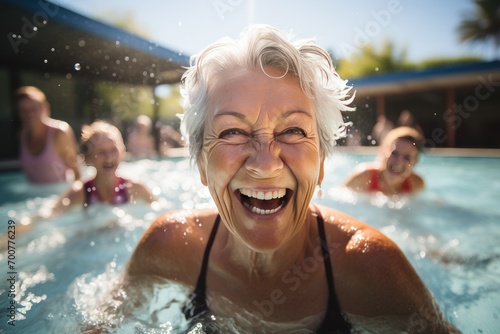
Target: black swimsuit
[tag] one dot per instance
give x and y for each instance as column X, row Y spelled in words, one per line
column 334, row 322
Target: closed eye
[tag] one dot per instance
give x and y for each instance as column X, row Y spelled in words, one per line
column 231, row 132
column 234, row 136
column 291, row 135
column 294, row 131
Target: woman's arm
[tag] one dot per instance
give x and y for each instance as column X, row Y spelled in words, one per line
column 67, row 148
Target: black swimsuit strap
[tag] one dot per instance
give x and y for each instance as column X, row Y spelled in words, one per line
column 334, row 321
column 198, row 304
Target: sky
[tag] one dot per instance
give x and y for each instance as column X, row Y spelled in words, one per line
column 424, row 28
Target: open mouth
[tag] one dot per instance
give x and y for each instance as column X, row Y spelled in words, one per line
column 108, row 165
column 397, row 169
column 263, row 202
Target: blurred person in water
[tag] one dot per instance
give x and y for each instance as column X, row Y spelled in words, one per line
column 140, row 142
column 48, row 151
column 406, row 118
column 262, row 113
column 103, row 148
column 380, row 129
column 393, row 172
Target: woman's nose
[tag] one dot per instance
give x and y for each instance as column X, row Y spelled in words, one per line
column 265, row 160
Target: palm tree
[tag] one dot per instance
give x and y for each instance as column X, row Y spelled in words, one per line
column 482, row 25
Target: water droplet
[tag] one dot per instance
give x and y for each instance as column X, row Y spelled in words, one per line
column 35, row 28
column 78, row 67
column 68, row 76
column 81, row 42
column 45, row 61
column 52, row 49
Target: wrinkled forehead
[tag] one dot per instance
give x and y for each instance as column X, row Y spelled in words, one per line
column 245, row 86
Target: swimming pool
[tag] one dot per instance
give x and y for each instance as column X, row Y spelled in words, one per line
column 64, row 265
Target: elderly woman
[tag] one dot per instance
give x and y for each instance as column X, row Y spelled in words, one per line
column 393, row 172
column 261, row 116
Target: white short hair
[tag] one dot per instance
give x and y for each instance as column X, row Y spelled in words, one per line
column 261, row 46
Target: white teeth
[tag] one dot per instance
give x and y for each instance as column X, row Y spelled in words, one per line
column 263, row 195
column 264, row 212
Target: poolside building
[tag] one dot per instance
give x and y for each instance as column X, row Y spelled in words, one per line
column 67, row 55
column 455, row 105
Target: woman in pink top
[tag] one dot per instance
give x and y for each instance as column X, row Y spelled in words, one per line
column 48, row 152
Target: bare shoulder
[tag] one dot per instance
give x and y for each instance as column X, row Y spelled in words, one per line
column 361, row 177
column 353, row 234
column 74, row 195
column 417, row 182
column 138, row 191
column 63, row 135
column 61, row 128
column 172, row 247
column 373, row 277
column 370, row 252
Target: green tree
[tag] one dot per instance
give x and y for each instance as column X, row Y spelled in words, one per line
column 483, row 25
column 370, row 61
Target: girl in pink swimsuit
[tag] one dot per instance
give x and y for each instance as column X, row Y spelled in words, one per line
column 102, row 146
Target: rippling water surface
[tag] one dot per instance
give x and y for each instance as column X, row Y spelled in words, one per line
column 66, row 266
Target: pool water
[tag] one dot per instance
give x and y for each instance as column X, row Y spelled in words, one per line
column 65, row 266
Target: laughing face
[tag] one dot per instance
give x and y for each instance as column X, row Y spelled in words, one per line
column 105, row 155
column 261, row 156
column 401, row 159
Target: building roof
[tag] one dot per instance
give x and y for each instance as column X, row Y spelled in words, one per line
column 46, row 37
column 449, row 76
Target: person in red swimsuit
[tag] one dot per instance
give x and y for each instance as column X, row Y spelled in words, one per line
column 393, row 172
column 103, row 148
